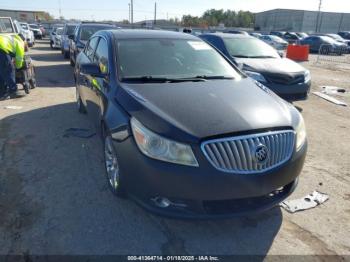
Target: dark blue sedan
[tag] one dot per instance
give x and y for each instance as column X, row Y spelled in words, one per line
column 263, row 63
column 185, row 132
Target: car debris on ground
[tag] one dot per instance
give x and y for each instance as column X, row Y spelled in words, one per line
column 13, row 107
column 310, row 201
column 330, row 99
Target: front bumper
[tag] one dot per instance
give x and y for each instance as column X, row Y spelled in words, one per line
column 203, row 192
column 291, row 92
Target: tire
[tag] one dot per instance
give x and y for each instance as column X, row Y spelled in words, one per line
column 325, row 50
column 65, row 54
column 51, row 44
column 81, row 107
column 71, row 62
column 114, row 178
column 26, row 88
column 32, row 83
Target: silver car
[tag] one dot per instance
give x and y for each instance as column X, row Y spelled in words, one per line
column 274, row 41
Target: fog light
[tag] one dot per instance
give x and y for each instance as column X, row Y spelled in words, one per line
column 161, row 202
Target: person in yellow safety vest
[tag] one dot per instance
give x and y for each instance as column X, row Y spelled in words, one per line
column 11, row 46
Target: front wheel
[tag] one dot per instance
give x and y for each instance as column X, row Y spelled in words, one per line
column 112, row 167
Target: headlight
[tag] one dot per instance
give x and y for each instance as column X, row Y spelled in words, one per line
column 307, row 76
column 256, row 76
column 301, row 133
column 157, row 147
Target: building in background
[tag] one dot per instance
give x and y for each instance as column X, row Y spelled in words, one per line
column 26, row 16
column 302, row 21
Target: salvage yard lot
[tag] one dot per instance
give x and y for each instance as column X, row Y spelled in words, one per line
column 54, row 198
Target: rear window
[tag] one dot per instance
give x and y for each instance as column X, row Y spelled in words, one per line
column 6, row 25
column 34, row 26
column 88, row 31
column 24, row 26
column 70, row 29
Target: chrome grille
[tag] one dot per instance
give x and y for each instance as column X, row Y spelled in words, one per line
column 238, row 154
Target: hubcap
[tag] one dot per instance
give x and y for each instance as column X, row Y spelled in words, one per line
column 111, row 163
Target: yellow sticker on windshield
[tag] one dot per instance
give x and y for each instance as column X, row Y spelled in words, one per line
column 198, row 45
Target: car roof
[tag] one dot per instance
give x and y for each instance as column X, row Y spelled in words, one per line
column 228, row 35
column 96, row 24
column 143, row 33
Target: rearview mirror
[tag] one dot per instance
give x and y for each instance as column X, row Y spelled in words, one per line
column 92, row 70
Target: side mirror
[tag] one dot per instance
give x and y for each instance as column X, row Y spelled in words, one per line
column 71, row 37
column 92, row 70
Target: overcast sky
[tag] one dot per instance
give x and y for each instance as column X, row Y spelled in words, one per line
column 144, row 9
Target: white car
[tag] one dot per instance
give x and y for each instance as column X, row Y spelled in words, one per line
column 23, row 29
column 57, row 38
column 36, row 30
column 275, row 41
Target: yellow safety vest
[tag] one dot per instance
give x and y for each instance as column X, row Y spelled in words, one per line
column 19, row 51
column 7, row 44
column 13, row 45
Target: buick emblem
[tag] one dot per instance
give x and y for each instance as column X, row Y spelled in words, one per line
column 261, row 154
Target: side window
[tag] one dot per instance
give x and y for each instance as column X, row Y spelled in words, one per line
column 101, row 56
column 90, row 48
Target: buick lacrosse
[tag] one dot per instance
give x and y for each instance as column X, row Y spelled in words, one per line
column 185, row 132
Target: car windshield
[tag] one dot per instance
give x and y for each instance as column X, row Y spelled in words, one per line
column 34, row 26
column 70, row 29
column 171, row 58
column 24, row 26
column 249, row 48
column 88, row 31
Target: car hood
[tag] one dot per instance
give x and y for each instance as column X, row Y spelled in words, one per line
column 270, row 65
column 191, row 111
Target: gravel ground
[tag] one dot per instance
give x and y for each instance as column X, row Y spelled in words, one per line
column 54, row 197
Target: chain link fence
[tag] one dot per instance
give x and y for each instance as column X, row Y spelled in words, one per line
column 331, row 54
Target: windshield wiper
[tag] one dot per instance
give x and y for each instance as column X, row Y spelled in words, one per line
column 151, row 79
column 241, row 56
column 213, row 77
column 262, row 56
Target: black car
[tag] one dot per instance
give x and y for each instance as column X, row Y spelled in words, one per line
column 81, row 35
column 345, row 34
column 185, row 133
column 324, row 45
column 278, row 33
column 236, row 32
column 263, row 63
column 292, row 38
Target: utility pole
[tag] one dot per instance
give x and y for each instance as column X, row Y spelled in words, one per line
column 132, row 12
column 59, row 9
column 129, row 13
column 318, row 16
column 155, row 13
